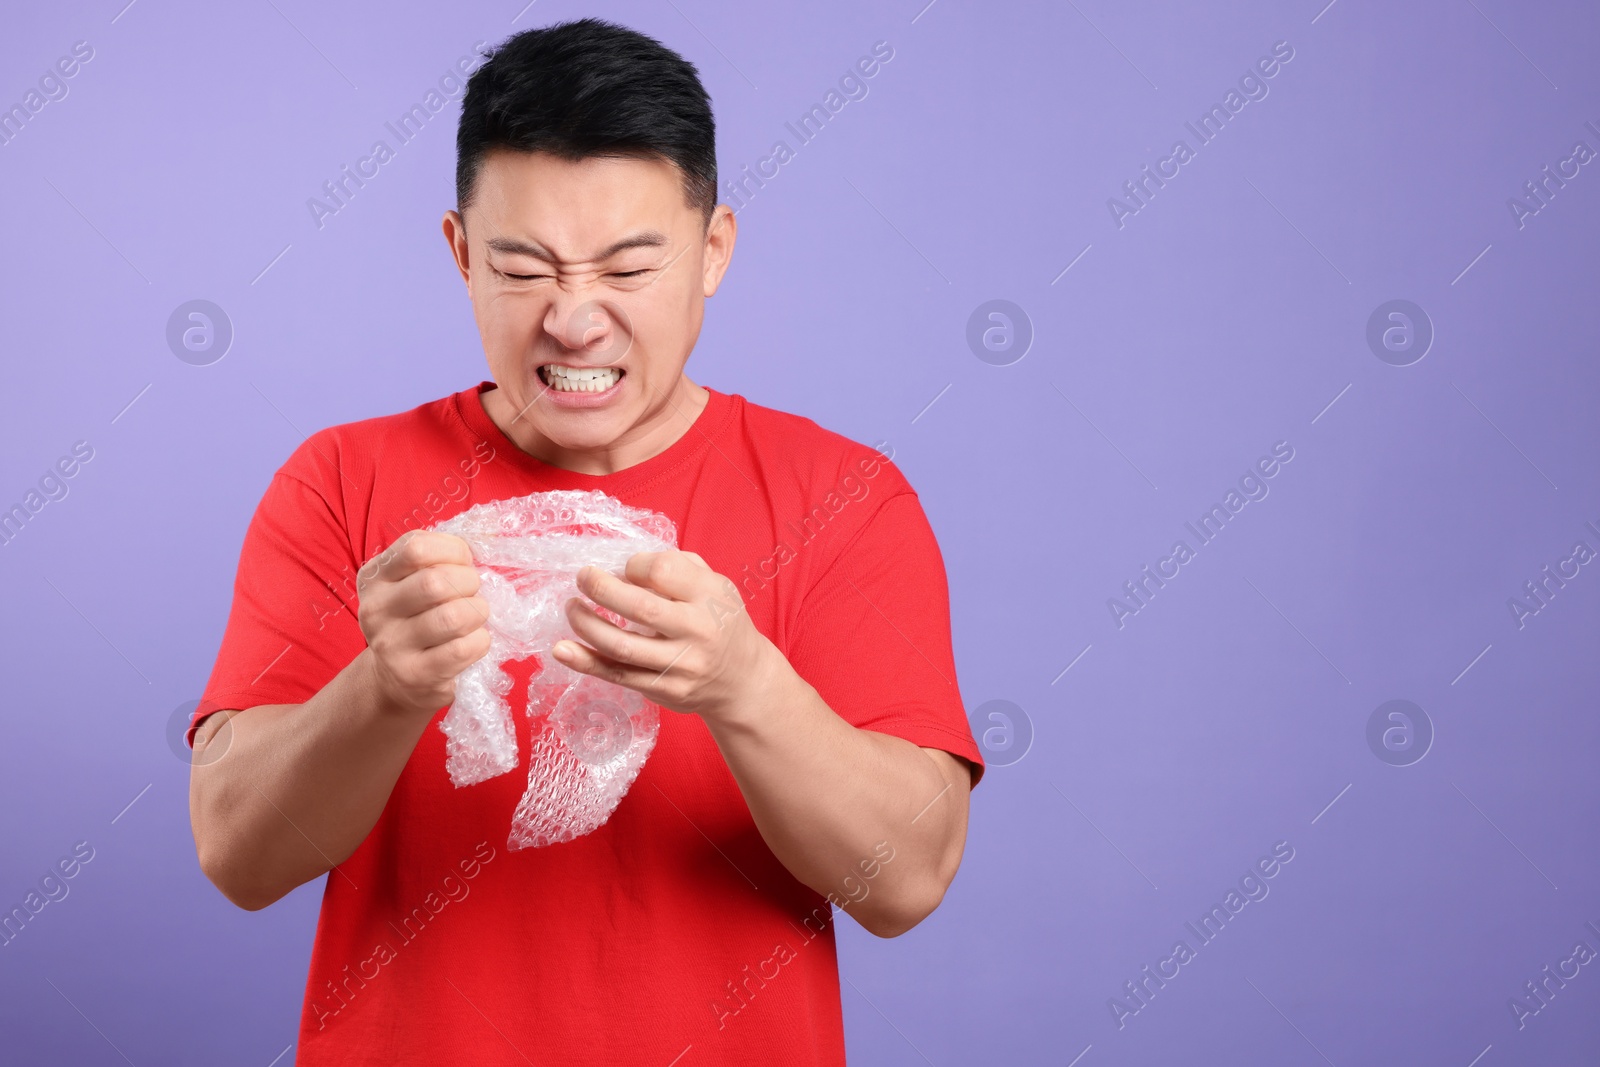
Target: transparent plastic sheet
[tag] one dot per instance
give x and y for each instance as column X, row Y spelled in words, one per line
column 590, row 738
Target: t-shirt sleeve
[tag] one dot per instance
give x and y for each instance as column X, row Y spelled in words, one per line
column 873, row 635
column 292, row 625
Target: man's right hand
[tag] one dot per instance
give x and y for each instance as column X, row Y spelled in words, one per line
column 422, row 618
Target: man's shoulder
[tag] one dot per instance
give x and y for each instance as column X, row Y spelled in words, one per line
column 812, row 452
column 351, row 451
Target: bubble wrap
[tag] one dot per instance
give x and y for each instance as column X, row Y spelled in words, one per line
column 590, row 738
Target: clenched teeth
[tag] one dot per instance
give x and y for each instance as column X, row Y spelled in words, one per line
column 579, row 379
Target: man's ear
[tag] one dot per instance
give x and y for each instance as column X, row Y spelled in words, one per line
column 455, row 235
column 720, row 237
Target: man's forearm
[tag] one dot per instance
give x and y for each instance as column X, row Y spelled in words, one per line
column 825, row 794
column 298, row 786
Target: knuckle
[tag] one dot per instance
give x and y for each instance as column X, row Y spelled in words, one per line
column 432, row 584
column 455, row 653
column 387, row 646
column 617, row 644
column 454, row 617
column 650, row 612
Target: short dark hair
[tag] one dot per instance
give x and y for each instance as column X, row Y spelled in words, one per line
column 584, row 89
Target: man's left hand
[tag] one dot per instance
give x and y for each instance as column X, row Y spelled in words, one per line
column 701, row 653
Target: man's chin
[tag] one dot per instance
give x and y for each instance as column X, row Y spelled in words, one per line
column 580, row 429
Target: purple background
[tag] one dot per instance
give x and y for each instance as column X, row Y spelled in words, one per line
column 1225, row 316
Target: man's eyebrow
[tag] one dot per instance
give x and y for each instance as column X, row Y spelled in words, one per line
column 515, row 246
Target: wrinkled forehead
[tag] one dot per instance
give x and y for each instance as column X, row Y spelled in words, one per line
column 575, row 208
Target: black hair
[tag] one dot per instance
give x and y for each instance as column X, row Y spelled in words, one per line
column 585, row 89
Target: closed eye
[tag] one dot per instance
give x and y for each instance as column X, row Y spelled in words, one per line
column 531, row 277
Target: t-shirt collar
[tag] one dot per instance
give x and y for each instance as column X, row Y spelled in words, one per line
column 469, row 405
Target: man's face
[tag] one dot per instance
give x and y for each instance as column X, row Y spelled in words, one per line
column 588, row 282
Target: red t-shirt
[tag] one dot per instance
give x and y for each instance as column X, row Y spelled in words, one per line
column 672, row 930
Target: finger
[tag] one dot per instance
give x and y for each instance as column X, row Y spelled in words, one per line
column 613, row 642
column 588, row 661
column 455, row 618
column 672, row 574
column 632, row 602
column 432, row 586
column 414, row 550
column 454, row 656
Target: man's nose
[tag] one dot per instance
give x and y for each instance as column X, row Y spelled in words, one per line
column 597, row 332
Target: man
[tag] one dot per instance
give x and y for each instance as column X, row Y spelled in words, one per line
column 813, row 752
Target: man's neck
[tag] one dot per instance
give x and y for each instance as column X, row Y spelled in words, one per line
column 663, row 425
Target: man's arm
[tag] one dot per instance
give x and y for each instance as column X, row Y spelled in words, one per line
column 281, row 793
column 825, row 795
